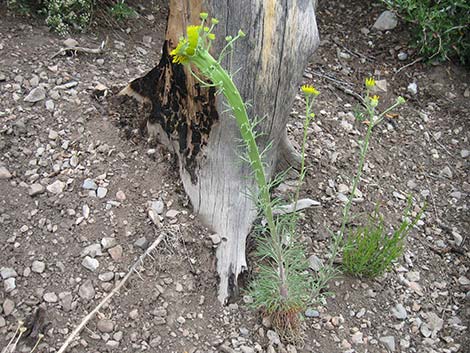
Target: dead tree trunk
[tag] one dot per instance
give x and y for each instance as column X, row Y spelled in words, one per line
column 280, row 37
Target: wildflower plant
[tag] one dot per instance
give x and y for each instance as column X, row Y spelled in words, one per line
column 283, row 285
column 369, row 251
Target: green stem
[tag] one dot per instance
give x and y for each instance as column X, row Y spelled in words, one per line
column 216, row 73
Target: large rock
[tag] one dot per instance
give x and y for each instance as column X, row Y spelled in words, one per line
column 37, row 94
column 386, row 21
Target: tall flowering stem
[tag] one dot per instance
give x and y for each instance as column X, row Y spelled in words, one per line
column 194, row 50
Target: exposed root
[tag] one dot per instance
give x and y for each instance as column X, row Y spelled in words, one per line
column 288, row 325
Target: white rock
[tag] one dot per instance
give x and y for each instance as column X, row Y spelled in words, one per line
column 38, row 266
column 92, row 250
column 464, row 281
column 9, row 284
column 389, row 342
column 4, row 173
column 386, row 21
column 108, row 242
column 89, row 184
column 36, row 189
column 86, row 290
column 101, row 192
column 56, row 187
column 53, row 135
column 120, row 196
column 37, row 94
column 51, row 297
column 399, row 312
column 7, row 272
column 215, row 238
column 412, row 88
column 464, row 153
column 90, row 263
column 50, row 105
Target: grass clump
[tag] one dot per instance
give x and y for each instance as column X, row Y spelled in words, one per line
column 441, row 27
column 369, row 251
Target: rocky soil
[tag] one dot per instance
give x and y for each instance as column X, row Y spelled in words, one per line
column 82, row 195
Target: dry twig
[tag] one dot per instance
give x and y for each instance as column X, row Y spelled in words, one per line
column 98, row 50
column 114, row 291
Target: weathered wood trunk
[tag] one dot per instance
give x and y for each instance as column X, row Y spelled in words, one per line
column 281, row 35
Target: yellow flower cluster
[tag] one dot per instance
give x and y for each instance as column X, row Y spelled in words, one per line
column 310, row 90
column 370, row 82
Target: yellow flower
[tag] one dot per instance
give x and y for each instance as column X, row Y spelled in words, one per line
column 193, row 37
column 310, row 90
column 374, row 101
column 211, row 36
column 370, row 82
column 215, row 21
column 178, row 54
column 203, row 15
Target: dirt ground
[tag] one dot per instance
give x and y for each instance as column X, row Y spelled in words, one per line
column 76, row 185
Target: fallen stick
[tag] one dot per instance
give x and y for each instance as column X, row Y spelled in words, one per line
column 114, row 291
column 98, row 50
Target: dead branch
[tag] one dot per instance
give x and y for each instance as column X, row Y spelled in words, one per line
column 75, row 50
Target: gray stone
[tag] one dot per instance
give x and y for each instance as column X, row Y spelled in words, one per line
column 7, row 272
column 50, row 105
column 134, row 314
column 447, row 172
column 37, row 94
column 86, row 290
column 70, row 43
column 389, row 342
column 56, row 187
column 315, row 263
column 158, row 206
column 464, row 281
column 108, row 242
column 402, row 56
column 9, row 284
column 464, row 153
column 101, row 192
column 53, row 135
column 92, row 250
column 105, row 326
column 386, row 21
column 112, row 344
column 36, row 189
column 142, row 243
column 50, row 297
column 38, row 266
column 2, row 322
column 66, row 301
column 8, row 306
column 311, row 313
column 106, row 277
column 246, row 349
column 273, row 337
column 90, row 263
column 172, row 214
column 89, row 184
column 399, row 312
column 4, row 173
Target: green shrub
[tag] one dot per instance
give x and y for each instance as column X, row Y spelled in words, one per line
column 442, row 27
column 121, row 11
column 370, row 251
column 66, row 16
